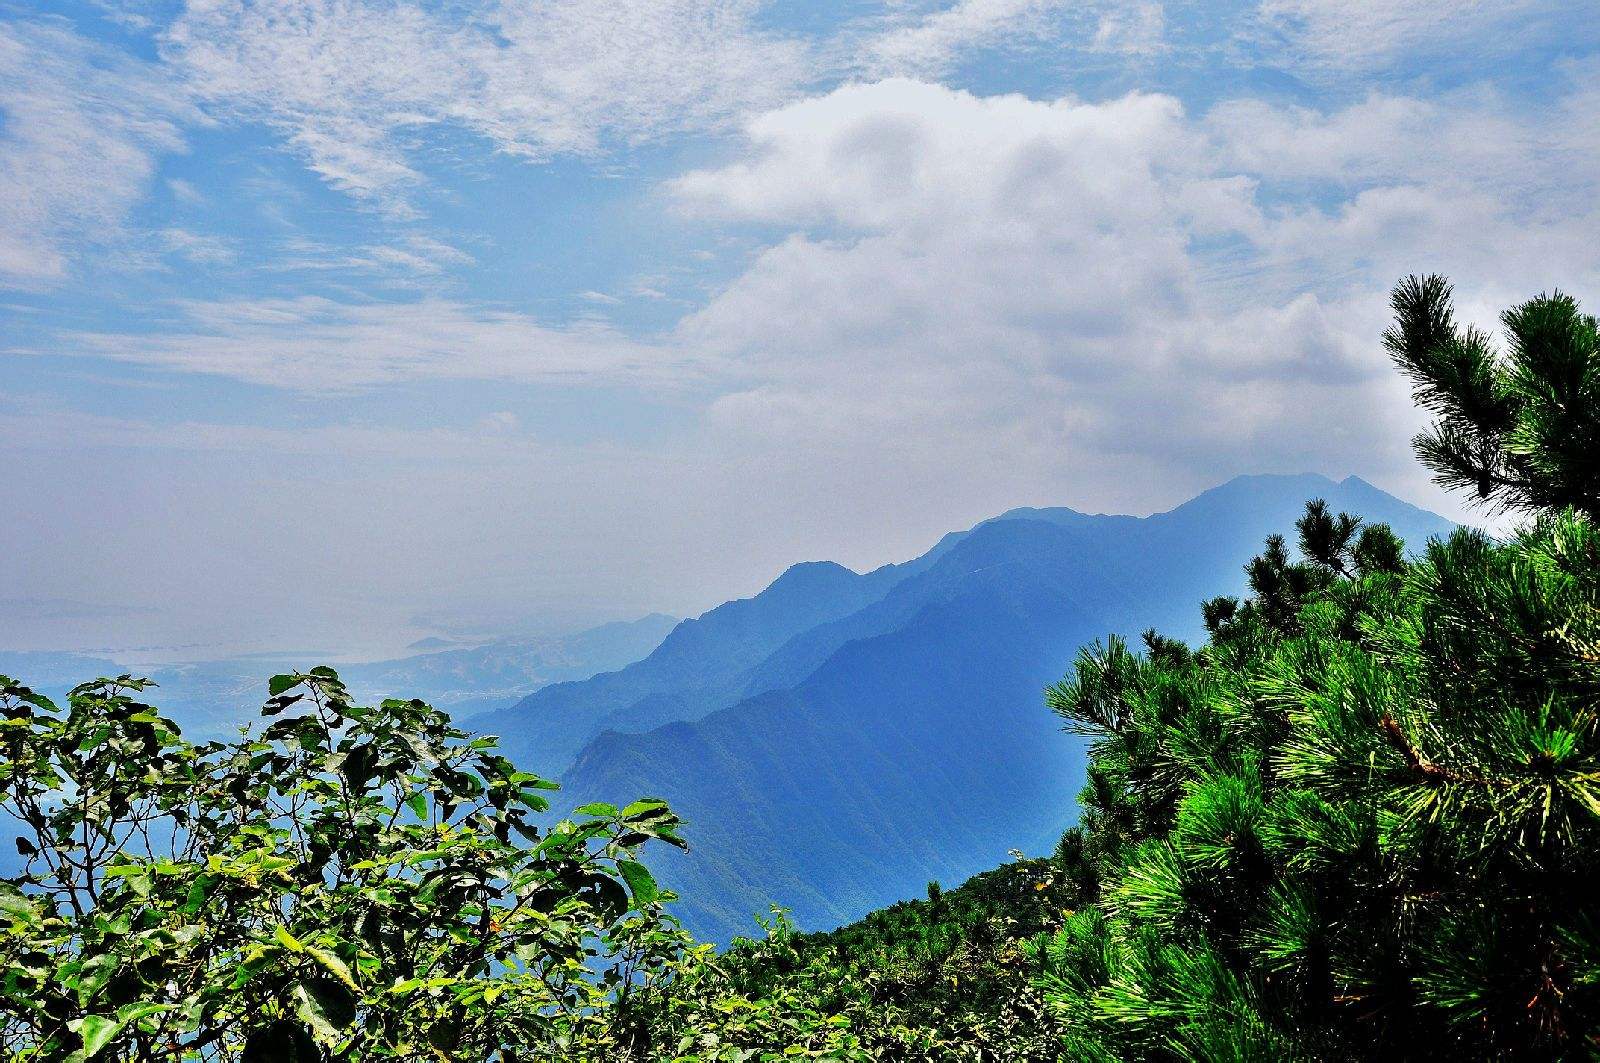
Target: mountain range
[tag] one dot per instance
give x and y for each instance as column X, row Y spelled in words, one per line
column 841, row 739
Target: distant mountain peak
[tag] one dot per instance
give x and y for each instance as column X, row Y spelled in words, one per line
column 431, row 643
column 811, row 573
column 1272, row 481
column 1309, row 484
column 1037, row 512
column 1257, row 488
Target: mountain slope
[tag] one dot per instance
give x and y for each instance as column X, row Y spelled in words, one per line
column 824, row 797
column 497, row 673
column 907, row 741
column 698, row 665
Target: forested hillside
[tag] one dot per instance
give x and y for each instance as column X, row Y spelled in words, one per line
column 1358, row 819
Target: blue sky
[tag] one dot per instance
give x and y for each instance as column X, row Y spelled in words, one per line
column 337, row 323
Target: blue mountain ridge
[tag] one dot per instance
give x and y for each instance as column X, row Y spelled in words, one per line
column 698, row 667
column 841, row 739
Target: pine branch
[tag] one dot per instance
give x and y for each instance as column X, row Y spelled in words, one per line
column 1430, row 771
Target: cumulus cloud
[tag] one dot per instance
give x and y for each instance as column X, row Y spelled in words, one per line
column 81, row 131
column 355, row 85
column 1073, row 289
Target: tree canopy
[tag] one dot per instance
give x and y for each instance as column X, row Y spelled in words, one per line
column 352, row 882
column 1363, row 821
column 1519, row 429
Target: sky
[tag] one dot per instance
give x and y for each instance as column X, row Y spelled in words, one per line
column 334, row 323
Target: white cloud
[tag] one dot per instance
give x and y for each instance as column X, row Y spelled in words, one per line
column 910, row 40
column 1019, row 298
column 500, row 422
column 184, row 191
column 356, row 85
column 1132, row 29
column 80, row 130
column 941, row 305
column 928, row 42
column 1366, row 33
column 407, row 260
column 199, row 248
column 417, row 254
column 316, row 344
column 1473, row 136
column 1113, row 300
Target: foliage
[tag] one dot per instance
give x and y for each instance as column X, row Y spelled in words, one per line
column 351, row 883
column 1521, row 430
column 356, row 884
column 362, row 883
column 947, row 978
column 1363, row 821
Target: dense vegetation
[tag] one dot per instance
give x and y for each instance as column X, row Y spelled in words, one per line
column 361, row 882
column 955, row 976
column 1360, row 821
column 1363, row 826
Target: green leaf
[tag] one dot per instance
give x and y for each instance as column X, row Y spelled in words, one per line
column 94, row 739
column 639, row 880
column 334, row 964
column 278, row 704
column 649, row 808
column 94, row 974
column 97, row 1032
column 198, row 890
column 14, row 904
column 327, row 1007
column 287, row 940
column 597, row 808
column 130, row 1014
column 279, row 683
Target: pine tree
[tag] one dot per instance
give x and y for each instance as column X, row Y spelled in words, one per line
column 1363, row 821
column 1520, row 430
